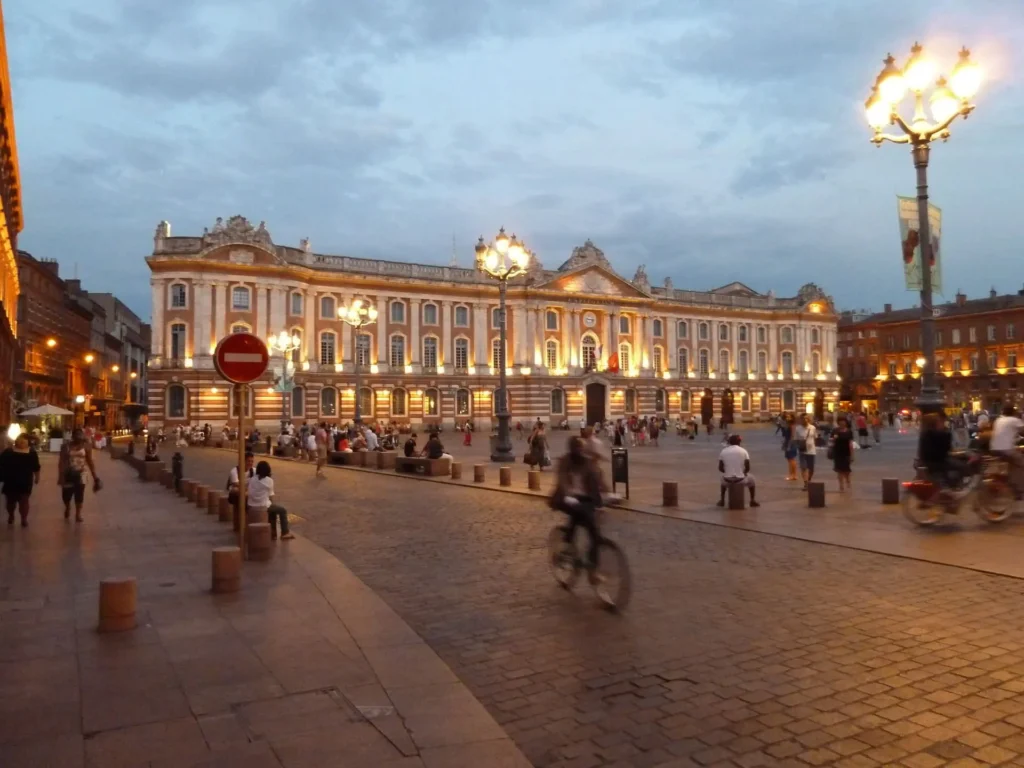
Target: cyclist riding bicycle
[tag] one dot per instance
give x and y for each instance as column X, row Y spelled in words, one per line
column 578, row 494
column 934, row 448
column 1003, row 443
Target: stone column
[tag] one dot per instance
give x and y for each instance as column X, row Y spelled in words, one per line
column 416, row 346
column 348, row 354
column 773, row 348
column 382, row 334
column 713, row 326
column 734, row 334
column 261, row 313
column 278, row 295
column 200, row 318
column 575, row 347
column 481, row 353
column 312, row 345
column 529, row 336
column 159, row 291
column 672, row 344
column 566, row 319
column 220, row 293
column 446, row 335
column 519, row 335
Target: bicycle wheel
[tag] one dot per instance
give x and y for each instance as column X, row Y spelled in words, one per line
column 614, row 586
column 994, row 500
column 919, row 512
column 562, row 558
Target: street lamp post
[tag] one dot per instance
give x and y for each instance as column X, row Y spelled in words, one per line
column 358, row 314
column 948, row 101
column 285, row 344
column 502, row 260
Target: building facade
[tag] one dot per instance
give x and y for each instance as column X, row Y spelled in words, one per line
column 977, row 343
column 10, row 225
column 583, row 342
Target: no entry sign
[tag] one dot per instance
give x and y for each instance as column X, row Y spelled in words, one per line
column 241, row 358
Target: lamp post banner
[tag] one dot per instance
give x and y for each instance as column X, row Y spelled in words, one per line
column 911, row 246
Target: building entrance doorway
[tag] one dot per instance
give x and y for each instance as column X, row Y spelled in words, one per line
column 707, row 406
column 597, row 395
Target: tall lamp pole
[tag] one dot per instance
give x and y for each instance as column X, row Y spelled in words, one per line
column 358, row 314
column 949, row 100
column 502, row 260
column 285, row 344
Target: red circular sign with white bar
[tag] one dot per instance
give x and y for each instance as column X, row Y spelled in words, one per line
column 241, row 358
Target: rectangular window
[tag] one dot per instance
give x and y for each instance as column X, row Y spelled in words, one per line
column 723, row 332
column 656, row 328
column 552, row 354
column 296, row 308
column 974, row 362
column 326, row 349
column 240, row 298
column 762, row 363
column 397, row 312
column 623, row 357
column 702, row 363
column 990, row 333
column 623, row 324
column 363, row 349
column 938, row 338
column 890, row 342
column 906, row 341
column 957, row 364
column 1011, row 331
column 496, row 317
column 656, row 359
column 178, row 296
column 684, row 362
column 683, row 329
column 892, row 368
column 430, row 352
column 993, row 360
column 787, row 363
column 497, row 356
column 397, row 351
column 430, row 314
column 462, row 317
column 461, row 354
column 551, row 320
column 630, row 401
column 908, row 367
column 761, row 335
column 177, row 341
column 1011, row 359
column 972, row 334
column 327, row 307
column 955, row 335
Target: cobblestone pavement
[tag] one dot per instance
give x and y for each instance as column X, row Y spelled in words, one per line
column 740, row 649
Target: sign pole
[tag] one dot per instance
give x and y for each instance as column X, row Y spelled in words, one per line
column 241, row 399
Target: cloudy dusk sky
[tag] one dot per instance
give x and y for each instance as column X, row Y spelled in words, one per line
column 712, row 141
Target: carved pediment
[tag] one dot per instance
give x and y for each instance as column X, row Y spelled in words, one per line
column 736, row 289
column 594, row 281
column 238, row 231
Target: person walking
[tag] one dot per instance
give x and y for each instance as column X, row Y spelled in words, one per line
column 789, row 447
column 841, row 452
column 537, row 454
column 260, row 504
column 75, row 458
column 321, row 449
column 19, row 472
column 862, row 430
column 806, row 444
column 876, row 427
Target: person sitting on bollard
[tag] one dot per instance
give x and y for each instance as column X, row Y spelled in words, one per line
column 410, row 446
column 433, row 449
column 152, row 450
column 233, row 478
column 261, row 506
column 734, row 464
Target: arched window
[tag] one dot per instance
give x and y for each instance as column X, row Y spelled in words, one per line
column 723, row 361
column 761, row 334
column 328, row 401
column 762, row 401
column 788, row 400
column 498, row 398
column 623, row 323
column 787, row 334
column 233, row 398
column 461, row 354
column 295, row 305
column 462, row 317
column 703, row 363
column 683, row 329
column 298, row 402
column 497, row 355
column 630, row 401
column 296, row 353
column 787, row 363
column 816, row 363
column 656, row 328
column 703, row 333
column 743, row 332
column 398, row 402
column 430, row 314
column 557, row 402
column 745, row 401
column 363, row 342
column 743, row 362
column 430, row 352
column 816, row 335
column 588, row 352
column 397, row 351
column 365, row 402
column 241, row 328
column 397, row 311
column 660, row 401
column 624, row 361
column 179, row 296
column 496, row 317
column 240, row 299
column 684, row 361
column 179, row 332
column 327, row 307
column 762, row 363
column 176, row 402
column 431, row 403
column 463, row 403
column 723, row 332
column 328, row 345
column 551, row 320
column 684, row 400
column 551, row 353
column 656, row 359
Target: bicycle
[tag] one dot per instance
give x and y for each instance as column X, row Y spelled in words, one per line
column 985, row 478
column 567, row 561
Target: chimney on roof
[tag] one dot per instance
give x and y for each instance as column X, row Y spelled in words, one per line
column 992, row 293
column 888, row 308
column 961, row 299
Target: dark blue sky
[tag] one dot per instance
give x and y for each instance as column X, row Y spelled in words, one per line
column 711, row 141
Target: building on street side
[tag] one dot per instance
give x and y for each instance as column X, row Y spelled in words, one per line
column 11, row 223
column 583, row 341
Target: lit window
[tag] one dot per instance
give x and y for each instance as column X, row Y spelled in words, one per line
column 623, row 357
column 240, row 298
column 431, row 403
column 497, row 355
column 588, row 353
column 397, row 351
column 656, row 359
column 703, row 364
column 462, row 402
column 684, row 361
column 178, row 332
column 551, row 351
column 398, row 402
column 363, row 342
column 328, row 401
column 557, row 402
column 430, row 352
column 327, row 348
column 461, row 354
column 176, row 401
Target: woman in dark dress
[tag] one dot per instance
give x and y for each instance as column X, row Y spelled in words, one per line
column 842, row 453
column 19, row 471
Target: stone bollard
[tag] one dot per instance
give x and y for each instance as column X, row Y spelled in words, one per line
column 258, row 540
column 479, row 473
column 190, row 490
column 224, row 509
column 505, row 476
column 669, row 493
column 890, row 490
column 386, row 460
column 183, row 487
column 166, row 478
column 533, row 480
column 213, row 501
column 227, row 570
column 736, row 496
column 816, row 495
column 202, row 492
column 117, row 605
column 456, row 471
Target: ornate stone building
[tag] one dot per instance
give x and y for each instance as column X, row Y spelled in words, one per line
column 10, row 225
column 582, row 341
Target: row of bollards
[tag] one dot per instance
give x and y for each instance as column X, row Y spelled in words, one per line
column 736, row 494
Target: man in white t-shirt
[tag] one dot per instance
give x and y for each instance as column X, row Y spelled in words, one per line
column 806, row 435
column 734, row 464
column 1003, row 442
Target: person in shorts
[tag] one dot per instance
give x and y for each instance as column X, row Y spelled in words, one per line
column 806, row 444
column 75, row 458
